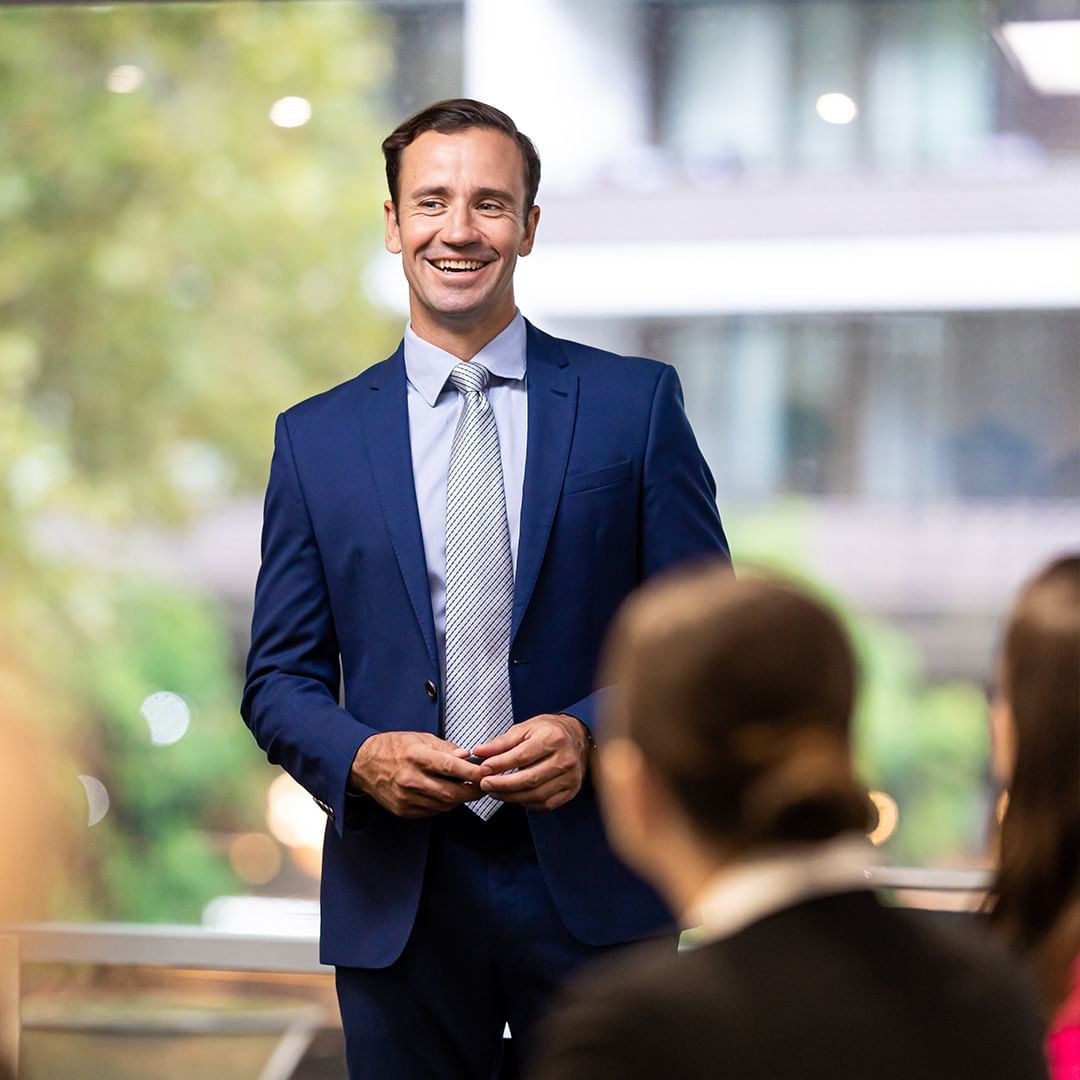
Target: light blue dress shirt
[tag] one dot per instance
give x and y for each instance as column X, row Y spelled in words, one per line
column 434, row 407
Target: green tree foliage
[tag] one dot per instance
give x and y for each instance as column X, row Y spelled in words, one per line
column 924, row 745
column 176, row 270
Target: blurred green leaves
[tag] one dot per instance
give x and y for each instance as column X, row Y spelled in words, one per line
column 924, row 745
column 176, row 270
column 177, row 267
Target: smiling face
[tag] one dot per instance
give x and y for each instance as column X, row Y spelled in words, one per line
column 459, row 227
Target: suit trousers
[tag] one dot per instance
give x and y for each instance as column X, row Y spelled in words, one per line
column 488, row 948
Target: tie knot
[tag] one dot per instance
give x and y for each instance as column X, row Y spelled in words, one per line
column 469, row 377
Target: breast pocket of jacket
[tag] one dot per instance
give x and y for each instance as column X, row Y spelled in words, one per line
column 597, row 479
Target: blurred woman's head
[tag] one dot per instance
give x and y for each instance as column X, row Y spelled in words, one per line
column 728, row 720
column 1036, row 899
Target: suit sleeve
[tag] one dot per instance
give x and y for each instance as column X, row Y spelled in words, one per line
column 679, row 520
column 293, row 672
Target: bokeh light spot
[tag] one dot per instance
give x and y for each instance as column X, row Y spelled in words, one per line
column 292, row 816
column 255, row 858
column 290, row 112
column 836, row 108
column 167, row 716
column 97, row 799
column 125, row 78
column 888, row 817
column 37, row 473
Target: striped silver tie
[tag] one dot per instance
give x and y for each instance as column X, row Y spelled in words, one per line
column 479, row 578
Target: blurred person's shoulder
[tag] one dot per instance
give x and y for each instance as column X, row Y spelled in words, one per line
column 822, row 987
column 970, row 1001
column 638, row 1014
column 933, row 964
column 970, row 959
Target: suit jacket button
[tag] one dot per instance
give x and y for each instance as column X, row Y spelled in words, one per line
column 432, row 690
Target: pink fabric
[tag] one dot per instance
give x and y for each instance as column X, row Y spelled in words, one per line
column 1063, row 1042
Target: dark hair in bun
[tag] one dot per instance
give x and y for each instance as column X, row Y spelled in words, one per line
column 740, row 694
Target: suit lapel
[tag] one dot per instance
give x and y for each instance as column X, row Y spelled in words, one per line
column 386, row 433
column 552, row 398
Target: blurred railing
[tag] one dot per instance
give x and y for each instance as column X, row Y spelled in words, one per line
column 60, row 1031
column 136, row 945
column 127, row 944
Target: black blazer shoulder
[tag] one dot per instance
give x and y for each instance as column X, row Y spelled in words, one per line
column 830, row 989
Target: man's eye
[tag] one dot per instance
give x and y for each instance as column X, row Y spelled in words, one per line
column 430, row 204
column 489, row 206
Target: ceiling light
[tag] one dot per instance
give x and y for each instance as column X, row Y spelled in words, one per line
column 1047, row 53
column 836, row 108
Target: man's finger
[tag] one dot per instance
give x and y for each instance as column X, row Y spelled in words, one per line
column 414, row 801
column 547, row 796
column 521, row 756
column 429, row 795
column 501, row 743
column 447, row 765
column 523, row 780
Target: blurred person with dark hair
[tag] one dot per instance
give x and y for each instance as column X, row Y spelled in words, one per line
column 1034, row 903
column 445, row 540
column 726, row 778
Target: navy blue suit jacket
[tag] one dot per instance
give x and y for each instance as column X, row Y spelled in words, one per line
column 343, row 639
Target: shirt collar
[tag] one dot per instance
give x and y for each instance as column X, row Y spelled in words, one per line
column 747, row 891
column 428, row 367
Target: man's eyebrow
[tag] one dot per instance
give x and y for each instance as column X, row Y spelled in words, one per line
column 496, row 193
column 427, row 192
column 480, row 193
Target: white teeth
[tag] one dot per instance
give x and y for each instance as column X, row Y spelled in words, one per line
column 456, row 264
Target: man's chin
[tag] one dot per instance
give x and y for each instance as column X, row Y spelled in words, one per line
column 463, row 310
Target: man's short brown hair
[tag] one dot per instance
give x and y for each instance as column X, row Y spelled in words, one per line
column 454, row 115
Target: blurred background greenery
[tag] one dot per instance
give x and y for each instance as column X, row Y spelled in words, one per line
column 176, row 271
column 924, row 745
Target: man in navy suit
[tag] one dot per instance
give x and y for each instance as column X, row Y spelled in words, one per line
column 444, row 922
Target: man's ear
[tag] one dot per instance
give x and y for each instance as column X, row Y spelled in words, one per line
column 532, row 219
column 392, row 234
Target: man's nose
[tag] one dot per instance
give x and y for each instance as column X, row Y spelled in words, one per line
column 459, row 226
